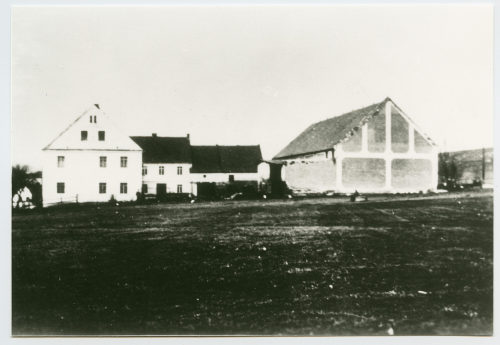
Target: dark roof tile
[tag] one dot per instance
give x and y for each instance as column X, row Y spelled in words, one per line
column 325, row 134
column 164, row 149
column 225, row 159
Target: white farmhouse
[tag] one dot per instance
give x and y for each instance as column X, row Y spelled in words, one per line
column 91, row 161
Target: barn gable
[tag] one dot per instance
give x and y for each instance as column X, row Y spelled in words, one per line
column 373, row 149
column 346, row 129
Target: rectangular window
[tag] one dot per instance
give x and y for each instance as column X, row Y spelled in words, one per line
column 231, row 178
column 102, row 135
column 123, row 162
column 83, row 135
column 90, row 118
column 144, row 188
column 60, row 161
column 102, row 188
column 103, row 161
column 144, row 171
column 179, row 188
column 60, row 187
column 123, row 188
column 179, row 170
column 95, row 119
column 161, row 170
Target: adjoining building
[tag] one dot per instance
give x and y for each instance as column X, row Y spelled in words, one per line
column 91, row 161
column 166, row 165
column 222, row 170
column 374, row 149
column 467, row 167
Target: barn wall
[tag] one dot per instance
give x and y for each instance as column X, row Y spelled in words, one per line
column 363, row 173
column 399, row 132
column 411, row 174
column 354, row 142
column 376, row 133
column 315, row 176
column 421, row 145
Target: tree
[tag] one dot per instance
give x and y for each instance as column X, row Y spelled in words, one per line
column 23, row 177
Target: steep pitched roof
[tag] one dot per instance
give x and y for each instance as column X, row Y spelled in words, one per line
column 164, row 149
column 225, row 159
column 70, row 137
column 325, row 134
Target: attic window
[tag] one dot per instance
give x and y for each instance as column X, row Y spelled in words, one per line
column 95, row 119
column 91, row 118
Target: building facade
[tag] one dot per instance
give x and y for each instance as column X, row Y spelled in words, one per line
column 91, row 160
column 376, row 149
column 166, row 165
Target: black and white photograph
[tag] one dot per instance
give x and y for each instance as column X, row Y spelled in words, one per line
column 305, row 170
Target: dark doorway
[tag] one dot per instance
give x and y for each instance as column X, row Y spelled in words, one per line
column 207, row 190
column 161, row 190
column 278, row 186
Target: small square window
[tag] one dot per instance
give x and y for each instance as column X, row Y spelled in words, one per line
column 60, row 187
column 103, row 160
column 144, row 188
column 231, row 178
column 60, row 161
column 83, row 135
column 179, row 188
column 102, row 188
column 161, row 170
column 102, row 135
column 144, row 171
column 123, row 162
column 123, row 188
column 179, row 170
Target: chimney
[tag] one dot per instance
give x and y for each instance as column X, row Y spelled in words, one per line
column 187, row 136
column 153, row 135
column 97, row 106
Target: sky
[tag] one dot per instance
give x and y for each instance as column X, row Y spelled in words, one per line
column 248, row 75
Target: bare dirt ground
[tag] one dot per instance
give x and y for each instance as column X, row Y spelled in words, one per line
column 296, row 267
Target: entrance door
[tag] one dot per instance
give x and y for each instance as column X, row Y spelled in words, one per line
column 161, row 190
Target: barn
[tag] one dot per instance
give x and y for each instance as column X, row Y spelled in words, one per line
column 375, row 149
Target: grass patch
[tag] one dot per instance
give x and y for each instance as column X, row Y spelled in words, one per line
column 320, row 267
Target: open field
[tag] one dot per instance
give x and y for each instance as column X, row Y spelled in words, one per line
column 295, row 267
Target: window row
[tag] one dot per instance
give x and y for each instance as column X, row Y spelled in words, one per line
column 161, row 170
column 61, row 187
column 161, row 188
column 84, row 135
column 103, row 161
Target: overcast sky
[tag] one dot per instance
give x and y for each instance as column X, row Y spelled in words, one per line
column 249, row 75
